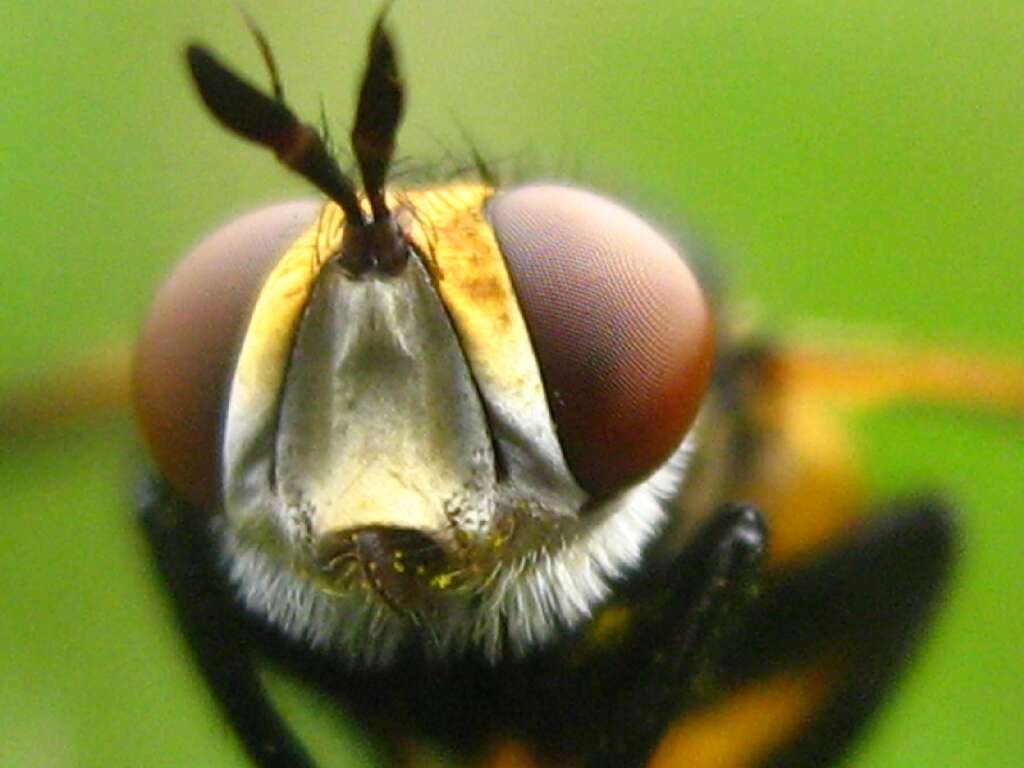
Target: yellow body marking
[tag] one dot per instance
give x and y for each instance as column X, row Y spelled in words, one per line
column 746, row 726
column 469, row 271
column 263, row 360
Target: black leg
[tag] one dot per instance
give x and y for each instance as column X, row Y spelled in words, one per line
column 186, row 558
column 856, row 609
column 694, row 635
column 710, row 586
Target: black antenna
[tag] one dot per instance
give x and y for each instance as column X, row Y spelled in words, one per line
column 267, row 120
column 381, row 99
column 245, row 110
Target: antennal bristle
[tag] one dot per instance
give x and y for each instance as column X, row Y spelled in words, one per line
column 267, row 53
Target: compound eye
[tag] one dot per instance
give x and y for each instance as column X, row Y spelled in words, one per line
column 620, row 326
column 185, row 356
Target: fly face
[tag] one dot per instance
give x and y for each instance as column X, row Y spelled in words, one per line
column 457, row 411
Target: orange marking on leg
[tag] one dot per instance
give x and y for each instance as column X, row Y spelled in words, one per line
column 511, row 754
column 90, row 387
column 746, row 726
column 866, row 376
column 808, row 479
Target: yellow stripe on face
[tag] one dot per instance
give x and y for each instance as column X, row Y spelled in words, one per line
column 471, row 277
column 449, row 226
column 263, row 360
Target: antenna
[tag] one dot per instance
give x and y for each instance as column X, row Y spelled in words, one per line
column 267, row 120
column 245, row 110
column 381, row 100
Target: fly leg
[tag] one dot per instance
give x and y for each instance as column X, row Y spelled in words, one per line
column 865, row 375
column 186, row 558
column 819, row 651
column 704, row 594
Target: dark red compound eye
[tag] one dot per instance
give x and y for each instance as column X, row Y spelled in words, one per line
column 186, row 352
column 621, row 328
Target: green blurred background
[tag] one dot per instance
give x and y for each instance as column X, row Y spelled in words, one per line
column 860, row 165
